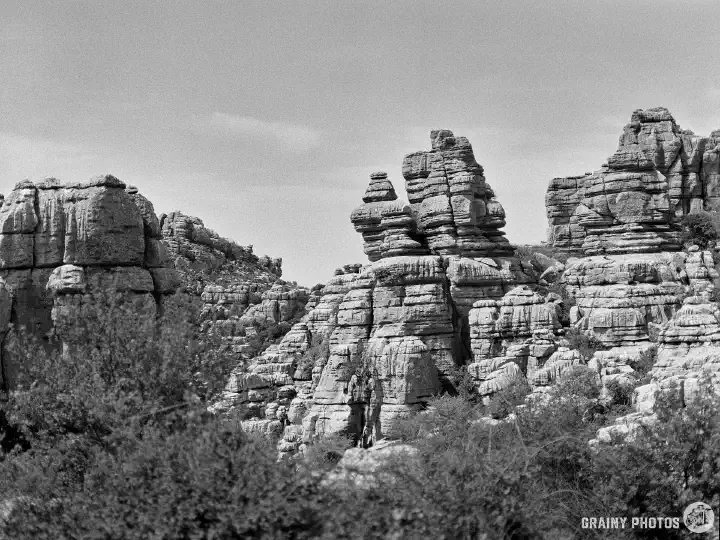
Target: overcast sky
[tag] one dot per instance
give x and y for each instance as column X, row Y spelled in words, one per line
column 265, row 118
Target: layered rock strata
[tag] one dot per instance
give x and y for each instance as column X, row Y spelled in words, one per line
column 199, row 252
column 512, row 338
column 455, row 208
column 62, row 244
column 686, row 366
column 621, row 299
column 276, row 388
column 400, row 326
column 245, row 303
column 658, row 174
column 624, row 219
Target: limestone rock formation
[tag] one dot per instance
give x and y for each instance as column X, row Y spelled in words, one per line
column 275, row 388
column 384, row 338
column 511, row 337
column 563, row 197
column 246, row 304
column 455, row 208
column 625, row 219
column 633, row 204
column 62, row 244
column 199, row 252
column 385, row 222
column 688, row 357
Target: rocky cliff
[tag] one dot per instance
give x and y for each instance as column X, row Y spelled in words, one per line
column 634, row 202
column 633, row 279
column 65, row 245
column 244, row 300
column 61, row 244
column 443, row 290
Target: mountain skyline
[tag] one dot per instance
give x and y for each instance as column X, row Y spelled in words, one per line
column 265, row 120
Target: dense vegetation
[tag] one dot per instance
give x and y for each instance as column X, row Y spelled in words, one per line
column 701, row 228
column 112, row 441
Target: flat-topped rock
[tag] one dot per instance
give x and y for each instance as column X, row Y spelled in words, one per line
column 65, row 245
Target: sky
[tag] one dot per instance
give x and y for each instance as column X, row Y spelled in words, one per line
column 265, row 119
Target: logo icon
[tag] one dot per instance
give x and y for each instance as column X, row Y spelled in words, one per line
column 699, row 517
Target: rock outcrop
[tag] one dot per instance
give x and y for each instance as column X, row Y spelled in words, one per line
column 625, row 221
column 633, row 204
column 61, row 245
column 687, row 364
column 245, row 303
column 455, row 208
column 511, row 338
column 395, row 331
column 201, row 254
column 562, row 199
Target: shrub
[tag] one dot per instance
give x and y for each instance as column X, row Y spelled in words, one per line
column 205, row 481
column 699, row 229
column 120, row 444
column 121, row 447
column 463, row 385
column 669, row 465
column 583, row 342
column 319, row 349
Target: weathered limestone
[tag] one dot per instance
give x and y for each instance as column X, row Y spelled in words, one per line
column 245, row 303
column 393, row 342
column 562, row 199
column 195, row 248
column 689, row 348
column 62, row 246
column 511, row 338
column 403, row 328
column 455, row 209
column 627, row 211
column 625, row 218
column 257, row 384
column 634, row 203
column 688, row 357
column 619, row 295
column 385, row 222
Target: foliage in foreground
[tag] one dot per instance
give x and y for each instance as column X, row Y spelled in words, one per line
column 120, row 447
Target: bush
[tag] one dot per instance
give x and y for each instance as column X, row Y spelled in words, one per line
column 583, row 342
column 533, row 475
column 207, row 480
column 567, row 299
column 526, row 252
column 120, row 446
column 669, row 465
column 700, row 229
column 319, row 350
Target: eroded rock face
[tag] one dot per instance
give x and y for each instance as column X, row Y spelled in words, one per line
column 386, row 223
column 245, row 303
column 455, row 208
column 275, row 390
column 511, row 338
column 394, row 332
column 627, row 211
column 63, row 244
column 688, row 358
column 618, row 296
column 193, row 247
column 563, row 197
column 625, row 219
column 633, row 204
